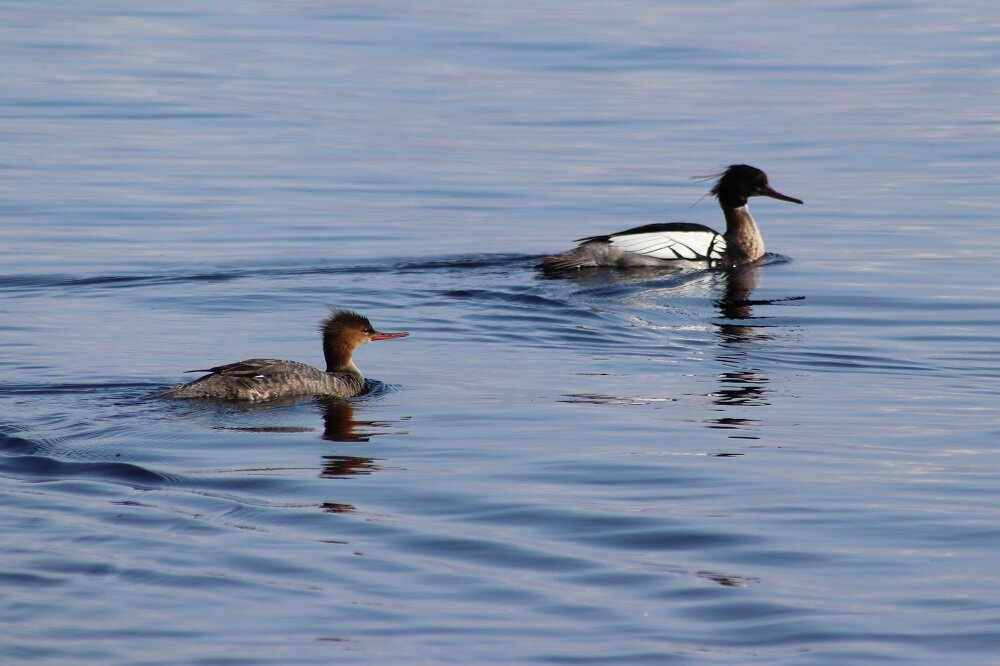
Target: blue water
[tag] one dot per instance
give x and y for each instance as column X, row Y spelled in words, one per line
column 797, row 462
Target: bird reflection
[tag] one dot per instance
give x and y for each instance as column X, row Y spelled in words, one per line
column 738, row 330
column 736, row 307
column 741, row 388
column 742, row 385
column 338, row 507
column 340, row 467
column 727, row 580
column 339, row 424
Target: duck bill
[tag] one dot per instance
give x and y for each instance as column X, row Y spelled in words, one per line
column 378, row 335
column 768, row 192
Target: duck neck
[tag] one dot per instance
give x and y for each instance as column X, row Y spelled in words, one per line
column 744, row 244
column 339, row 358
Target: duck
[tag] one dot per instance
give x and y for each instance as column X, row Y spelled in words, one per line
column 260, row 379
column 683, row 244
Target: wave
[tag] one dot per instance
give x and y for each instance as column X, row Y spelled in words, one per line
column 182, row 275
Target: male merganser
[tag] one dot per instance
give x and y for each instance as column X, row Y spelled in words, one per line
column 259, row 379
column 682, row 244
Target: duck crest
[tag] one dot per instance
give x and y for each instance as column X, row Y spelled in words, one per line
column 338, row 345
column 737, row 184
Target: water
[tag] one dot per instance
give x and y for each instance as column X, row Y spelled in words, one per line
column 793, row 463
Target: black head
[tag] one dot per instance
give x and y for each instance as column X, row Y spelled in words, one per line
column 739, row 182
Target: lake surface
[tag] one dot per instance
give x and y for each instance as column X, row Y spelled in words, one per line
column 797, row 462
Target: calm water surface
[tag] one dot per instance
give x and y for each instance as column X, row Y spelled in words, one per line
column 791, row 463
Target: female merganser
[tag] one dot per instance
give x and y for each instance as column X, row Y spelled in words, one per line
column 266, row 379
column 682, row 244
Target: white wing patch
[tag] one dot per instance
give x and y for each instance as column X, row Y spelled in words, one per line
column 691, row 245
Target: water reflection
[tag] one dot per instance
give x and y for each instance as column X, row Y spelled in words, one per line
column 339, row 424
column 739, row 330
column 736, row 306
column 744, row 384
column 726, row 580
column 341, row 467
column 337, row 507
column 741, row 388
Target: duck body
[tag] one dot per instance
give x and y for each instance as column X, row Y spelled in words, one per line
column 683, row 244
column 260, row 379
column 678, row 244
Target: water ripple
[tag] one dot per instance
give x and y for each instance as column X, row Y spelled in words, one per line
column 42, row 468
